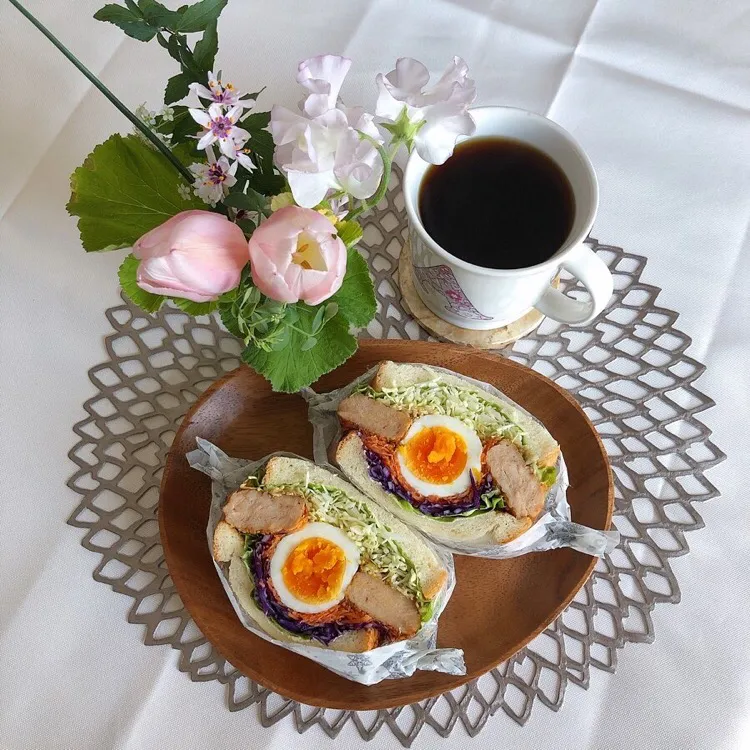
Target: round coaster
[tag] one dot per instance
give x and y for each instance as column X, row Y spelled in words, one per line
column 493, row 338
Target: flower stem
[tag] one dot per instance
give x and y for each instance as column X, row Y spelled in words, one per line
column 387, row 159
column 147, row 132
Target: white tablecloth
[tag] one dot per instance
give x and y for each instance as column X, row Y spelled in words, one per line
column 657, row 92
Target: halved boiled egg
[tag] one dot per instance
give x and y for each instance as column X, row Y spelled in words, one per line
column 438, row 454
column 311, row 568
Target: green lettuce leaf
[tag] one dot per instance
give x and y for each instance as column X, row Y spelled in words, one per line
column 122, row 190
column 293, row 368
column 547, row 475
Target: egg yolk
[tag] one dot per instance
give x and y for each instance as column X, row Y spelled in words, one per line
column 314, row 570
column 436, row 455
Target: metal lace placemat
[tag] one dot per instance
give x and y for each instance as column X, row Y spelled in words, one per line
column 630, row 372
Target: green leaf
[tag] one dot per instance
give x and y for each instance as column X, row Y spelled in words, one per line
column 187, row 60
column 183, row 126
column 123, row 189
column 265, row 179
column 178, row 87
column 228, row 315
column 157, row 14
column 246, row 225
column 292, row 368
column 127, row 275
column 205, row 50
column 250, row 201
column 308, row 344
column 318, row 319
column 547, row 475
column 195, row 308
column 126, row 20
column 200, row 16
column 187, row 153
column 282, row 341
column 356, row 298
column 350, row 233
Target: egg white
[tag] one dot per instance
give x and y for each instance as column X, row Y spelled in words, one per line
column 285, row 547
column 473, row 456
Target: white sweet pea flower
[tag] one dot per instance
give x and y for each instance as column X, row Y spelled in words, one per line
column 213, row 180
column 218, row 92
column 321, row 150
column 431, row 119
column 322, row 76
column 221, row 128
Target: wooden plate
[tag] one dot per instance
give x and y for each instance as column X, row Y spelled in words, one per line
column 497, row 606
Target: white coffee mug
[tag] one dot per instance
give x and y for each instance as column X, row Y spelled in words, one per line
column 470, row 296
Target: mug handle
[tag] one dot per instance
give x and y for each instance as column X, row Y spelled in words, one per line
column 586, row 266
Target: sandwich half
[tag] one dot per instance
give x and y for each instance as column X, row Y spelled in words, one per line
column 312, row 560
column 445, row 455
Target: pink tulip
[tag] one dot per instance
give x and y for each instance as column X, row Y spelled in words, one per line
column 297, row 255
column 197, row 255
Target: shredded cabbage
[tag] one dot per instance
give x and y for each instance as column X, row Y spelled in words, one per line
column 381, row 553
column 486, row 418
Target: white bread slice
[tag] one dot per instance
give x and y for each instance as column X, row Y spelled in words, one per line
column 432, row 574
column 242, row 585
column 541, row 448
column 228, row 542
column 487, row 528
column 353, row 641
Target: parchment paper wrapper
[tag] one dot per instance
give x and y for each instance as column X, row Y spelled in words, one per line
column 393, row 661
column 551, row 530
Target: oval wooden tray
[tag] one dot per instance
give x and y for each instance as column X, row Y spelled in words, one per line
column 497, row 606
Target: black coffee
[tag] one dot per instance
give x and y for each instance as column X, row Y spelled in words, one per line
column 497, row 203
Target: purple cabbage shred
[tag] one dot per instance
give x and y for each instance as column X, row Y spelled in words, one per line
column 282, row 615
column 382, row 475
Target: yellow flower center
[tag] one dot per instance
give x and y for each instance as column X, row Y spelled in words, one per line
column 308, row 254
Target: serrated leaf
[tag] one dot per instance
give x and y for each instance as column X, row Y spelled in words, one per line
column 228, row 317
column 183, row 126
column 356, row 298
column 187, row 153
column 252, row 200
column 247, row 226
column 350, row 233
column 200, row 16
column 291, row 368
column 195, row 308
column 187, row 60
column 127, row 274
column 205, row 50
column 131, row 24
column 266, row 179
column 178, row 87
column 123, row 189
column 157, row 14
